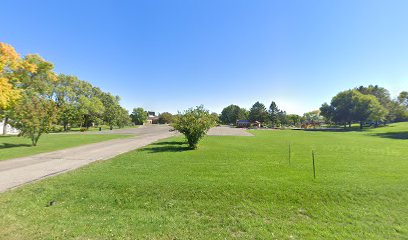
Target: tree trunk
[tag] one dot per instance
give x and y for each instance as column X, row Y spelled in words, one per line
column 65, row 127
column 5, row 125
column 36, row 139
column 361, row 125
column 349, row 124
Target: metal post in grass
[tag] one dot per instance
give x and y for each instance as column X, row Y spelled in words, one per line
column 314, row 168
column 289, row 154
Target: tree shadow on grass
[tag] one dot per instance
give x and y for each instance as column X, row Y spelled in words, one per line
column 169, row 143
column 167, row 147
column 12, row 145
column 393, row 135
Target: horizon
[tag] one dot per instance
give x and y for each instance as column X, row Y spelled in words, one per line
column 167, row 57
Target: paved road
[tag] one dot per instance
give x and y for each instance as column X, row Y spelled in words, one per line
column 228, row 131
column 19, row 171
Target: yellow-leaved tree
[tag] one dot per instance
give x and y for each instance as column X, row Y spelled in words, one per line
column 9, row 62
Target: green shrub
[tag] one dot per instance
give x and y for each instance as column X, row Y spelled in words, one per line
column 194, row 124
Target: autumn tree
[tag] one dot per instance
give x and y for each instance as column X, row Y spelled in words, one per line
column 9, row 62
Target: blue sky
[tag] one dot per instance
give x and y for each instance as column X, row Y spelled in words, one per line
column 171, row 55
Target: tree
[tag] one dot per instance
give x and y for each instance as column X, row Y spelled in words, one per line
column 42, row 80
column 327, row 111
column 382, row 95
column 232, row 113
column 138, row 116
column 194, row 124
column 122, row 118
column 274, row 114
column 341, row 108
column 258, row 113
column 111, row 108
column 9, row 94
column 367, row 107
column 313, row 117
column 216, row 117
column 403, row 98
column 90, row 109
column 283, row 118
column 294, row 119
column 352, row 105
column 34, row 115
column 66, row 98
column 9, row 62
column 165, row 118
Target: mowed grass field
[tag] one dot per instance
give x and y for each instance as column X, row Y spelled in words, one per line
column 13, row 146
column 231, row 187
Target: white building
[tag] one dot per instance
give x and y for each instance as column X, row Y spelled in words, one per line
column 9, row 130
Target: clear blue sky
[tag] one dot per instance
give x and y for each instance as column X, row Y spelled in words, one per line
column 171, row 55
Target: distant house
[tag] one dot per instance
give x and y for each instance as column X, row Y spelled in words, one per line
column 9, row 129
column 243, row 123
column 152, row 118
column 247, row 124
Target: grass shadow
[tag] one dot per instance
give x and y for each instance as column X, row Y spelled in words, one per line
column 169, row 143
column 167, row 147
column 12, row 145
column 393, row 135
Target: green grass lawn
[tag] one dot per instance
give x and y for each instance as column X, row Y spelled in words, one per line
column 13, row 146
column 231, row 187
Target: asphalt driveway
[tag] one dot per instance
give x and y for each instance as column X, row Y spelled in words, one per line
column 19, row 171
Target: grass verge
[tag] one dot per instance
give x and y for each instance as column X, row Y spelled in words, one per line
column 13, row 146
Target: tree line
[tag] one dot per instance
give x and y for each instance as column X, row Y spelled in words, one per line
column 362, row 104
column 271, row 117
column 371, row 104
column 36, row 100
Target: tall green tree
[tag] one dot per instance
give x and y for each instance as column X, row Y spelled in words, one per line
column 367, row 107
column 122, row 119
column 258, row 113
column 111, row 108
column 352, row 105
column 232, row 113
column 274, row 113
column 138, row 116
column 66, row 98
column 382, row 95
